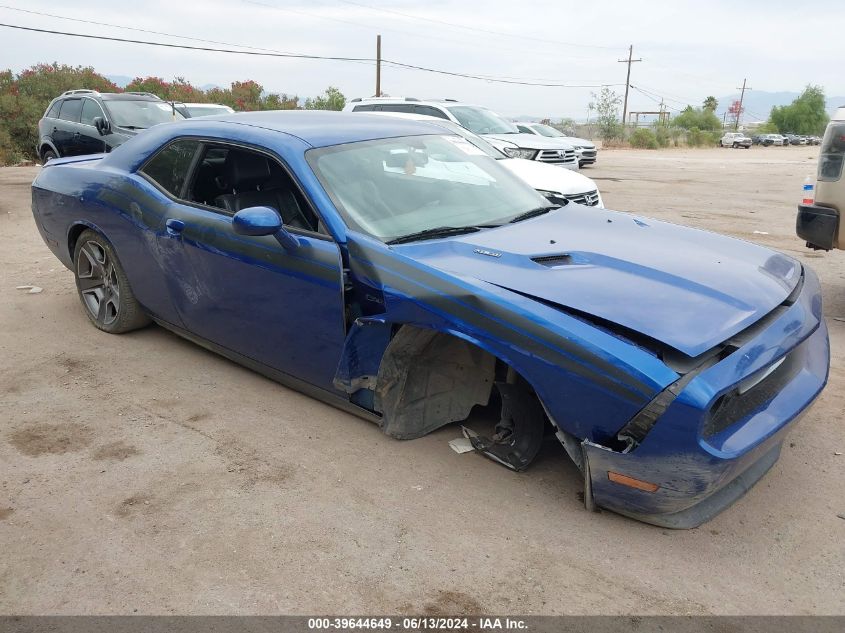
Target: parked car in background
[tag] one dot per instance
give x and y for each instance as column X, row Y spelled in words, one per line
column 819, row 221
column 191, row 110
column 498, row 131
column 766, row 140
column 90, row 122
column 323, row 257
column 735, row 140
column 560, row 186
column 795, row 139
column 586, row 150
column 814, row 140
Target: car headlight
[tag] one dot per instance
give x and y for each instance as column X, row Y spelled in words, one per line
column 518, row 152
column 553, row 196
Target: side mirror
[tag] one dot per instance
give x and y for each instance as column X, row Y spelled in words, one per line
column 257, row 221
column 103, row 126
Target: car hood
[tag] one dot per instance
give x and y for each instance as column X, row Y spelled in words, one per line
column 686, row 288
column 532, row 141
column 580, row 142
column 549, row 177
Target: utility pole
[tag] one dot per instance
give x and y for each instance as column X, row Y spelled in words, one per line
column 628, row 61
column 741, row 98
column 378, row 65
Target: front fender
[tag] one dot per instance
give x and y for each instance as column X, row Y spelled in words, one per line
column 590, row 381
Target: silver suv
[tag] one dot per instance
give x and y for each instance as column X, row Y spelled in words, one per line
column 499, row 132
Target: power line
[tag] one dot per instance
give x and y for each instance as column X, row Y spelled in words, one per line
column 132, row 28
column 300, row 56
column 424, row 36
column 475, row 29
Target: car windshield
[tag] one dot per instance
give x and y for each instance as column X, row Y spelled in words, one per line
column 207, row 110
column 392, row 188
column 476, row 140
column 140, row 114
column 482, row 120
column 548, row 130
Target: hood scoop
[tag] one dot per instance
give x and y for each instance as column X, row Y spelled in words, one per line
column 553, row 261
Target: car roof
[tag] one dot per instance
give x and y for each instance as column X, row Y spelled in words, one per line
column 122, row 96
column 321, row 128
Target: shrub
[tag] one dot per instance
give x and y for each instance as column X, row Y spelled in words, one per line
column 662, row 135
column 643, row 138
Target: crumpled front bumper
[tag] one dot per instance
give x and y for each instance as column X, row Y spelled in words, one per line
column 701, row 472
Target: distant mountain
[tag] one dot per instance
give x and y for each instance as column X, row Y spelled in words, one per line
column 759, row 103
column 120, row 80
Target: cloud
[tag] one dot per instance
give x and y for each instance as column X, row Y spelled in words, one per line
column 690, row 49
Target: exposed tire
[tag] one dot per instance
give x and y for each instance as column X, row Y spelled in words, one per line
column 734, row 146
column 48, row 156
column 103, row 287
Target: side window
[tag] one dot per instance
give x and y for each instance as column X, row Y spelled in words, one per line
column 525, row 129
column 53, row 112
column 231, row 179
column 364, row 108
column 90, row 109
column 430, row 111
column 169, row 168
column 71, row 109
column 396, row 107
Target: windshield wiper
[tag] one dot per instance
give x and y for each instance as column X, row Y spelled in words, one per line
column 533, row 213
column 439, row 231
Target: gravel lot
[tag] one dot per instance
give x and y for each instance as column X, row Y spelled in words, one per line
column 143, row 474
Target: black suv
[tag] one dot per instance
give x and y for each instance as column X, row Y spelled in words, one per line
column 91, row 122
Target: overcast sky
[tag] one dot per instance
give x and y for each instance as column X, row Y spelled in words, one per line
column 689, row 49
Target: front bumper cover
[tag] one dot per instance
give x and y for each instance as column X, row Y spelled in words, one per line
column 700, row 476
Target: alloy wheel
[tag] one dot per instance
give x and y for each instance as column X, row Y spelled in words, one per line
column 98, row 284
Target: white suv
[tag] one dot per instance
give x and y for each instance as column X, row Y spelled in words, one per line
column 584, row 149
column 500, row 133
column 735, row 139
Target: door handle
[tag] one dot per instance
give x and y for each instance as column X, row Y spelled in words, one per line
column 174, row 227
column 76, row 135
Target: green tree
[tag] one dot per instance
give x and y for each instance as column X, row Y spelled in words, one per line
column 24, row 98
column 711, row 103
column 331, row 99
column 701, row 118
column 805, row 115
column 606, row 104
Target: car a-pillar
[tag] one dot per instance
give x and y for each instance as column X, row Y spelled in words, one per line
column 427, row 379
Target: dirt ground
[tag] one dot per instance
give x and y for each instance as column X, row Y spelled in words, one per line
column 142, row 474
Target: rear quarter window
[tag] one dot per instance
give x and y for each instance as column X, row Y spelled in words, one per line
column 53, row 112
column 832, row 156
column 170, row 166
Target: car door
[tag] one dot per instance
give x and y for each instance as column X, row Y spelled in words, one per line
column 90, row 140
column 66, row 128
column 278, row 306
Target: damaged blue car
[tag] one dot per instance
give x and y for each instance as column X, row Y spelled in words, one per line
column 394, row 270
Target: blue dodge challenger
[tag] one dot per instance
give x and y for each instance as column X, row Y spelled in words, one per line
column 395, row 271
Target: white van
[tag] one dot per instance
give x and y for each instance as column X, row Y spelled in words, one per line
column 499, row 132
column 819, row 221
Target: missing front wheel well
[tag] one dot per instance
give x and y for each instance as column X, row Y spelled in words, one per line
column 427, row 379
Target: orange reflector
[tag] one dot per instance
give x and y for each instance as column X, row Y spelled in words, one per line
column 625, row 480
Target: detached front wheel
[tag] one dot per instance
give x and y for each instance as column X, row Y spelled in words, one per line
column 103, row 287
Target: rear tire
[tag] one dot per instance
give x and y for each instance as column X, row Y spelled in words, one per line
column 103, row 286
column 48, row 156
